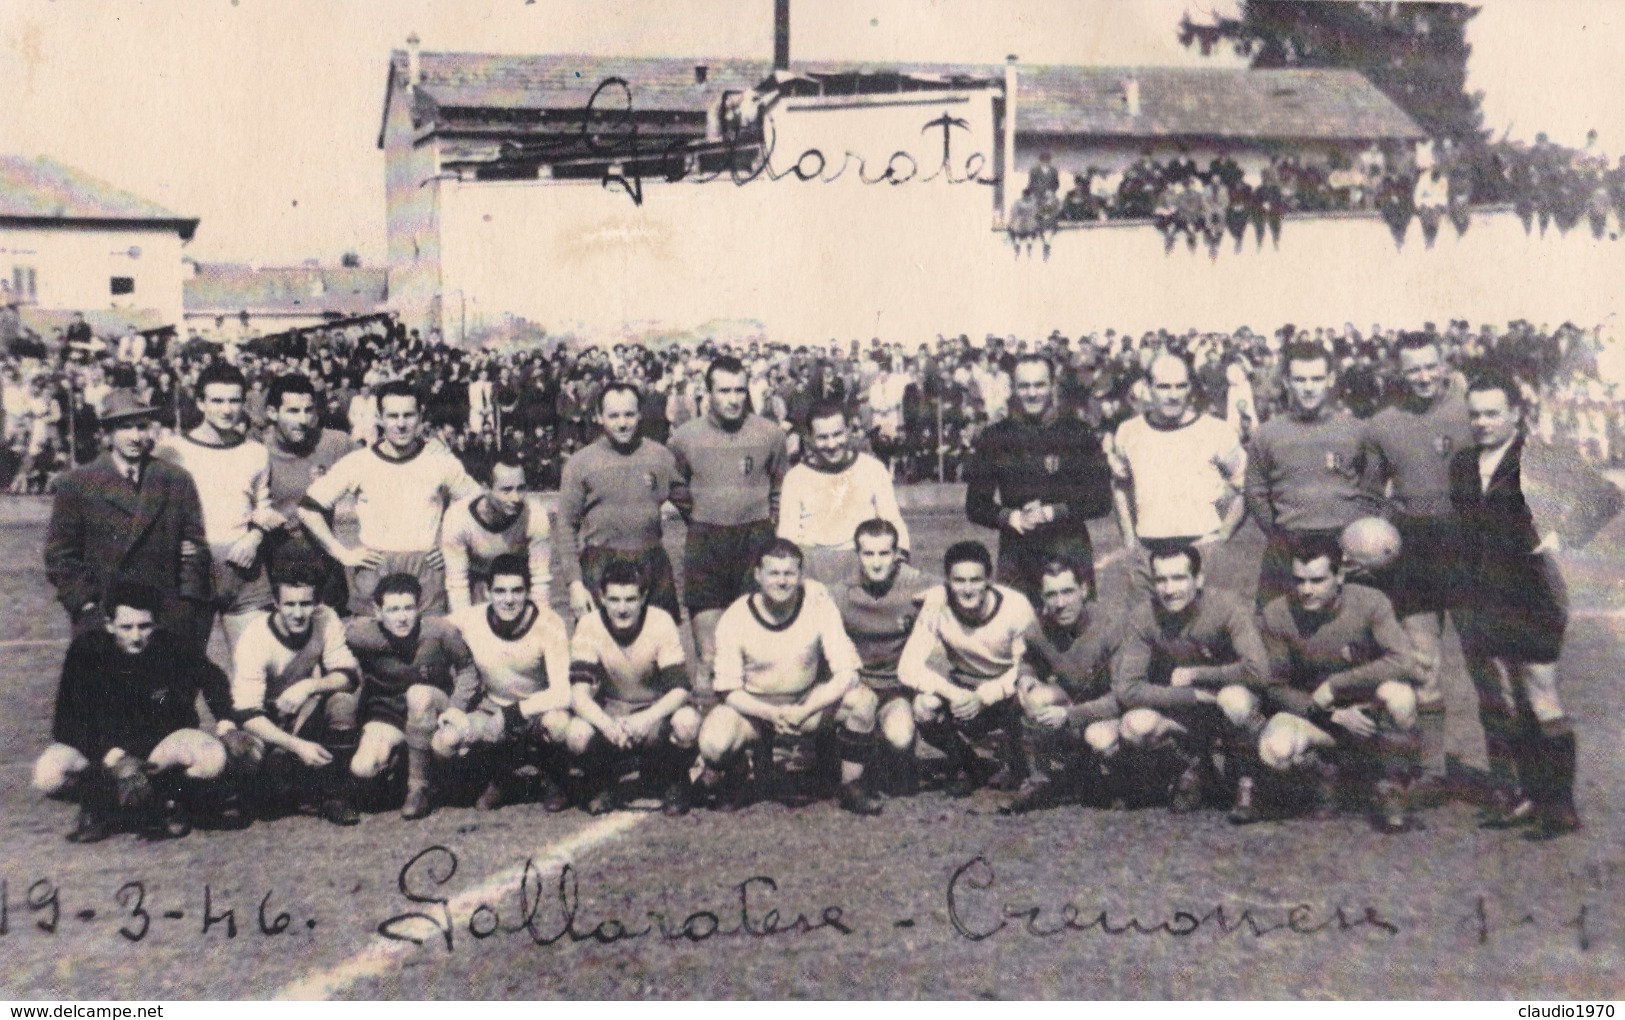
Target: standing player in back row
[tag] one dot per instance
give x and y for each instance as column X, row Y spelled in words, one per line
column 402, row 488
column 730, row 465
column 301, row 451
column 610, row 502
column 830, row 493
column 505, row 518
column 1408, row 449
column 233, row 477
column 1038, row 477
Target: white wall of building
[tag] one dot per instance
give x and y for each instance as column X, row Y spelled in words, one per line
column 813, row 261
column 74, row 266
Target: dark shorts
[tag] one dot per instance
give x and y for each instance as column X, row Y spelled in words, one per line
column 1428, row 575
column 1516, row 610
column 717, row 562
column 653, row 562
column 387, row 706
column 239, row 590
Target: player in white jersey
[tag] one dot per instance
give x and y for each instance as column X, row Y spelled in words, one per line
column 402, row 487
column 522, row 654
column 772, row 648
column 980, row 628
column 830, row 493
column 293, row 687
column 505, row 518
column 1178, row 474
column 233, row 478
column 631, row 692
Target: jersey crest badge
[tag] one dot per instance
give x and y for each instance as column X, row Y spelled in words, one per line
column 1444, row 445
column 747, row 464
column 1052, row 463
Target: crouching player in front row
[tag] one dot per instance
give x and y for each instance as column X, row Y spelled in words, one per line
column 521, row 652
column 1069, row 710
column 413, row 668
column 879, row 605
column 294, row 688
column 980, row 628
column 773, row 647
column 1187, row 660
column 1341, row 675
column 631, row 693
column 128, row 743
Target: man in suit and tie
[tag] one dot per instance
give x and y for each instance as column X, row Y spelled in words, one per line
column 126, row 515
column 1514, row 606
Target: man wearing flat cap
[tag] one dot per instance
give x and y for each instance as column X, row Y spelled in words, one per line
column 127, row 516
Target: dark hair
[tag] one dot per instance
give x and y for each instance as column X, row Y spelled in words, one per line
column 218, row 373
column 623, row 571
column 826, row 407
column 619, row 386
column 726, row 363
column 510, row 565
column 1301, row 350
column 779, row 549
column 1484, row 378
column 508, row 458
column 1081, row 568
column 1308, row 547
column 1417, row 342
column 297, row 574
column 134, row 594
column 397, row 388
column 969, row 551
column 399, row 583
column 1191, row 554
column 876, row 527
column 1033, row 359
column 283, row 385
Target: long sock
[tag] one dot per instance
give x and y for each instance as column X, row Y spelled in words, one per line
column 856, row 749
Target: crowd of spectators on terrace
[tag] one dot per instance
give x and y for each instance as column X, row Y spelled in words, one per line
column 921, row 406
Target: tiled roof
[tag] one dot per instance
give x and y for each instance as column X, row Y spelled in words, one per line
column 1052, row 99
column 43, row 189
column 229, row 289
column 1176, row 101
column 566, row 81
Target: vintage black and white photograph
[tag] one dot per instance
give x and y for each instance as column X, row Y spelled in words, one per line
column 812, row 499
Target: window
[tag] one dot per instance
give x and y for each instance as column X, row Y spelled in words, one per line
column 22, row 284
column 123, row 285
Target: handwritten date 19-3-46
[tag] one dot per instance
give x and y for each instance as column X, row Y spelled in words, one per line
column 134, row 912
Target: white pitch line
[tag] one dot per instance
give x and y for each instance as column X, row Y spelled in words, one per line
column 381, row 954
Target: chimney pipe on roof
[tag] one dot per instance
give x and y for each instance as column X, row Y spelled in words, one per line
column 781, row 35
column 1131, row 95
column 700, row 72
column 414, row 68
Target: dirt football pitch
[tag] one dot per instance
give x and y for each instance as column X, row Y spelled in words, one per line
column 934, row 898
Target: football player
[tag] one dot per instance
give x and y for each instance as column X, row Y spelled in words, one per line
column 631, row 692
column 878, row 609
column 730, row 464
column 293, row 687
column 831, row 493
column 980, row 627
column 1064, row 687
column 521, row 652
column 772, row 648
column 413, row 668
column 1340, row 684
column 1180, row 652
column 504, row 518
column 128, row 743
column 300, row 451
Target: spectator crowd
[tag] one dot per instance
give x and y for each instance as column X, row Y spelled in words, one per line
column 921, row 409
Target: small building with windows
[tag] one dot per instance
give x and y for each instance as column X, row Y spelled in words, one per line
column 70, row 242
column 229, row 302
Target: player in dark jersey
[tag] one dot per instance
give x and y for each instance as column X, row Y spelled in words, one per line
column 413, row 668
